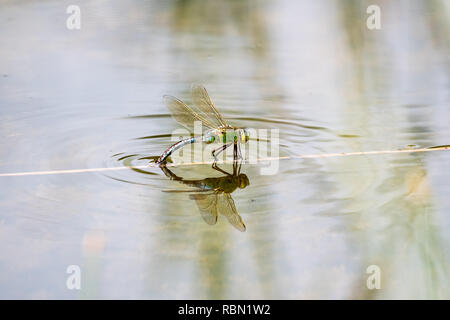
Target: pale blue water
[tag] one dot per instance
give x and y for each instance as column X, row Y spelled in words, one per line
column 74, row 99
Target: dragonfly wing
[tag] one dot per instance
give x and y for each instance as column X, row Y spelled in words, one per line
column 228, row 209
column 207, row 204
column 205, row 106
column 183, row 114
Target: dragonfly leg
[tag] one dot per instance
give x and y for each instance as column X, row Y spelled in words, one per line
column 169, row 173
column 219, row 150
column 216, row 167
column 237, row 152
column 240, row 152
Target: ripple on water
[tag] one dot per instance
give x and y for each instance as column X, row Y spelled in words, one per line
column 296, row 137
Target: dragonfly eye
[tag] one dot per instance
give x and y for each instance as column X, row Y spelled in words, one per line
column 243, row 181
column 246, row 135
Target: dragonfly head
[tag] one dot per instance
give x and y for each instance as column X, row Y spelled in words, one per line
column 245, row 135
column 243, row 181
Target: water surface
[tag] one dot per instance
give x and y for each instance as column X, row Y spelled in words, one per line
column 92, row 98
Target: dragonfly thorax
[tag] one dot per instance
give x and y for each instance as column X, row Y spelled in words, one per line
column 235, row 135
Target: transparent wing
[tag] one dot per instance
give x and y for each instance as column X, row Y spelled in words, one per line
column 206, row 107
column 207, row 204
column 226, row 207
column 185, row 115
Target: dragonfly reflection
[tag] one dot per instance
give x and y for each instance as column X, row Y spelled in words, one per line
column 213, row 195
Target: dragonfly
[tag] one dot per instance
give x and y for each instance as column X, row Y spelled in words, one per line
column 206, row 112
column 213, row 195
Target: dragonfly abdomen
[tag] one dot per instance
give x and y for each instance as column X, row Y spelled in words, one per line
column 174, row 147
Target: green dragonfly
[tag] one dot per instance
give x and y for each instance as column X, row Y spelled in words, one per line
column 213, row 195
column 206, row 112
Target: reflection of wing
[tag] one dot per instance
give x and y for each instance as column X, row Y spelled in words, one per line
column 206, row 107
column 207, row 204
column 227, row 208
column 183, row 114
